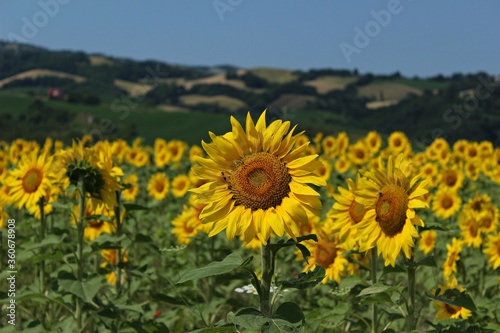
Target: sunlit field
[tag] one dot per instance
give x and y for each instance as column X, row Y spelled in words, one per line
column 261, row 229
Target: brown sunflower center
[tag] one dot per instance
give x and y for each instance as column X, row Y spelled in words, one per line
column 260, row 181
column 450, row 178
column 391, row 209
column 31, row 180
column 96, row 224
column 159, row 186
column 325, row 254
column 473, row 229
column 446, row 202
column 356, row 211
column 429, row 240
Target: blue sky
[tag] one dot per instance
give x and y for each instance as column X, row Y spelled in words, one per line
column 419, row 37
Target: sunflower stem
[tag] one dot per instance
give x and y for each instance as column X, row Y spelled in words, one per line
column 267, row 259
column 119, row 251
column 412, row 324
column 43, row 226
column 374, row 280
column 80, row 228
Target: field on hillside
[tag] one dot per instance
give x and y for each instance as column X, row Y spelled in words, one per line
column 262, row 229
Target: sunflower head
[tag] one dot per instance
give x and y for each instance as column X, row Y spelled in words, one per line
column 256, row 180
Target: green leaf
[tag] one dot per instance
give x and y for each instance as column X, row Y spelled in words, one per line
column 228, row 264
column 281, row 243
column 350, row 282
column 85, row 290
column 305, row 251
column 250, row 318
column 58, row 256
column 455, row 297
column 290, row 312
column 427, row 261
column 306, row 280
column 49, row 240
column 98, row 218
column 57, row 205
column 107, row 241
column 132, row 207
column 376, row 298
column 395, row 269
column 375, row 289
column 135, row 308
column 222, row 329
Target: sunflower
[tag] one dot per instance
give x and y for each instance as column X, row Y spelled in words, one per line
column 95, row 167
column 111, row 257
column 485, row 149
column 341, row 143
column 488, row 219
column 398, row 143
column 342, row 165
column 185, row 226
column 373, row 141
column 390, row 199
column 427, row 241
column 451, row 178
column 158, row 186
column 471, row 152
column 3, row 217
column 358, row 153
column 31, row 180
column 162, row 157
column 96, row 226
column 176, row 149
column 119, row 149
column 137, row 157
column 180, row 186
column 472, row 170
column 329, row 146
column 326, row 253
column 492, row 250
column 346, row 213
column 452, row 257
column 131, row 190
column 470, row 229
column 459, row 147
column 256, row 181
column 447, row 311
column 429, row 170
column 324, row 170
column 446, row 203
column 195, row 151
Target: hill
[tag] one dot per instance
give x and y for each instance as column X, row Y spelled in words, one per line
column 152, row 98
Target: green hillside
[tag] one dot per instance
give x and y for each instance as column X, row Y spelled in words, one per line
column 115, row 97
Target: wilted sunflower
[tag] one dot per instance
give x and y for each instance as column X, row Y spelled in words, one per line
column 30, row 181
column 256, row 182
column 390, row 198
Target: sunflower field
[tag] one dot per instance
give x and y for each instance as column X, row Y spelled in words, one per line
column 262, row 229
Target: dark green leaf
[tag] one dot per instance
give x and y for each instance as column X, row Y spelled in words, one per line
column 290, row 312
column 306, row 280
column 132, row 207
column 350, row 282
column 86, row 290
column 305, row 252
column 376, row 288
column 49, row 240
column 455, row 297
column 98, row 218
column 427, row 261
column 250, row 318
column 376, row 298
column 228, row 264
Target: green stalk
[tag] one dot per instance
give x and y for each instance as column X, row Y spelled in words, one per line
column 374, row 280
column 42, row 237
column 79, row 249
column 119, row 253
column 267, row 259
column 412, row 324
